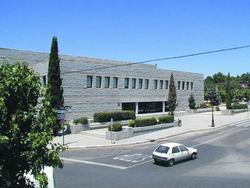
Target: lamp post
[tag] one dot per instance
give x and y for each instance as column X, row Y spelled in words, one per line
column 214, row 101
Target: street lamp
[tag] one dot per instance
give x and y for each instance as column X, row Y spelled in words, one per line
column 214, row 101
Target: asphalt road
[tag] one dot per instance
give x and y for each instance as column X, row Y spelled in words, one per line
column 223, row 161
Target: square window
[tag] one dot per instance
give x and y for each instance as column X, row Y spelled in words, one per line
column 107, row 82
column 133, row 83
column 140, row 83
column 155, row 84
column 115, row 82
column 126, row 83
column 98, row 82
column 179, row 85
column 89, row 81
column 161, row 84
column 166, row 84
column 146, row 83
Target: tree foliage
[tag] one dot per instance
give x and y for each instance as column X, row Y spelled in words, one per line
column 55, row 90
column 25, row 128
column 191, row 101
column 172, row 98
column 240, row 86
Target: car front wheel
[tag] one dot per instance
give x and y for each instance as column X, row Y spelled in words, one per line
column 171, row 162
column 193, row 156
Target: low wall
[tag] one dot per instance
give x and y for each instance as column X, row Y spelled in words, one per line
column 130, row 131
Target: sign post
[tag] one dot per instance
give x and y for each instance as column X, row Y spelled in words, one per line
column 111, row 129
column 61, row 118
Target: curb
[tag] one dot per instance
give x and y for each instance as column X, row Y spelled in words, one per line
column 156, row 140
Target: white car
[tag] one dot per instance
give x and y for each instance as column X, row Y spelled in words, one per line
column 173, row 152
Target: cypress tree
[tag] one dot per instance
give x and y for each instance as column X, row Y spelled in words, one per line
column 172, row 96
column 229, row 95
column 192, row 102
column 55, row 90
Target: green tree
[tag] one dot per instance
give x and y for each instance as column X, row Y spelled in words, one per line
column 229, row 95
column 172, row 98
column 55, row 90
column 191, row 102
column 25, row 128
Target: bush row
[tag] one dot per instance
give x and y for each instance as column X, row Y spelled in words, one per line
column 239, row 106
column 117, row 116
column 81, row 120
column 150, row 121
column 116, row 127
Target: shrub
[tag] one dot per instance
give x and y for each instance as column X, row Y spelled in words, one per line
column 166, row 119
column 145, row 122
column 117, row 116
column 239, row 106
column 116, row 127
column 81, row 120
column 131, row 123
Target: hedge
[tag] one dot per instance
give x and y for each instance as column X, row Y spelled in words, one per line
column 81, row 120
column 131, row 123
column 116, row 127
column 145, row 122
column 239, row 106
column 117, row 116
column 166, row 119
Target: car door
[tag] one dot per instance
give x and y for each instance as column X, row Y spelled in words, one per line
column 176, row 153
column 184, row 152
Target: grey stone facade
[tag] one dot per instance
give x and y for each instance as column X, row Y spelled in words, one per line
column 85, row 101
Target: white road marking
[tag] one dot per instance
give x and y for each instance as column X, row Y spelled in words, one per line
column 133, row 156
column 94, row 163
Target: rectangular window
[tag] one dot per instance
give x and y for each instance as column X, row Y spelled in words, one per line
column 161, row 84
column 44, row 81
column 179, row 85
column 89, row 81
column 146, row 83
column 155, row 84
column 115, row 82
column 107, row 82
column 183, row 85
column 187, row 85
column 126, row 83
column 133, row 83
column 192, row 86
column 140, row 83
column 98, row 82
column 166, row 84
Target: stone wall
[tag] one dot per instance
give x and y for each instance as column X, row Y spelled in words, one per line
column 85, row 101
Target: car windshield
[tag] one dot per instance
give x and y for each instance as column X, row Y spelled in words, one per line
column 162, row 149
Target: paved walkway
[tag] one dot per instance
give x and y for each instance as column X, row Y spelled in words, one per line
column 190, row 123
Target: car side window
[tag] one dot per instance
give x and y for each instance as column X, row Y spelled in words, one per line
column 183, row 148
column 175, row 149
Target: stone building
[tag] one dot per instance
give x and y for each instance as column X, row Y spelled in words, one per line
column 97, row 85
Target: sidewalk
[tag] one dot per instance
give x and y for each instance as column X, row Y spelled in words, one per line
column 190, row 123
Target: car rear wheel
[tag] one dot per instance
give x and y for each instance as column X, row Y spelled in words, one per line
column 193, row 156
column 171, row 162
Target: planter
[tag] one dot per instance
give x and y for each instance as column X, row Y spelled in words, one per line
column 125, row 133
column 78, row 128
column 227, row 112
column 239, row 110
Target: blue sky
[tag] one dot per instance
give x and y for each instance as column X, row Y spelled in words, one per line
column 134, row 30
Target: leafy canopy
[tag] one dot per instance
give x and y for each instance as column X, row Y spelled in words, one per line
column 25, row 128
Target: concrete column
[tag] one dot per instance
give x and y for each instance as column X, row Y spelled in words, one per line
column 163, row 106
column 136, row 108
